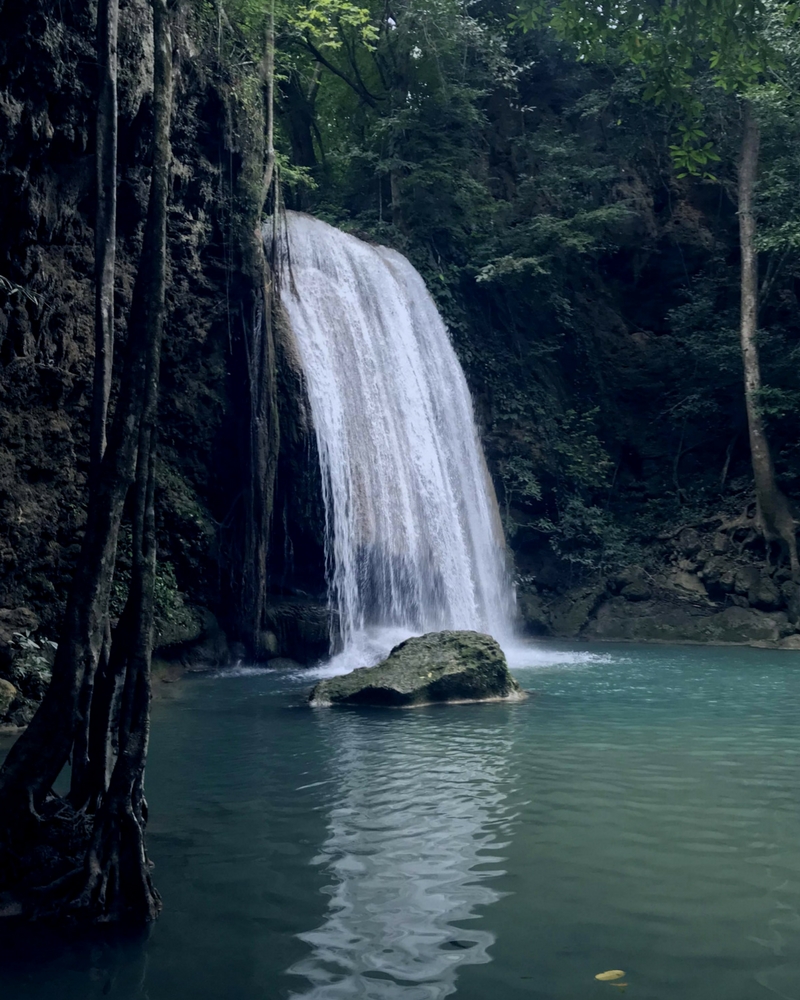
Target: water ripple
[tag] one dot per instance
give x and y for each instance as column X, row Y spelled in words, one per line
column 415, row 837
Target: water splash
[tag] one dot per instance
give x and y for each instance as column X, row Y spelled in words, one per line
column 413, row 537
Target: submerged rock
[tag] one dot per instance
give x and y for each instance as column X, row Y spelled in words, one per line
column 437, row 667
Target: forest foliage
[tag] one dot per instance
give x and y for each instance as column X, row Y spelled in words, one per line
column 564, row 175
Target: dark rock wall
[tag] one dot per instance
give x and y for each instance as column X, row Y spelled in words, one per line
column 46, row 248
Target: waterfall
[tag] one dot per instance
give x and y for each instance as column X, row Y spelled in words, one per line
column 413, row 536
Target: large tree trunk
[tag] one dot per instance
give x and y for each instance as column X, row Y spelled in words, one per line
column 115, row 883
column 774, row 514
column 40, row 753
column 102, row 735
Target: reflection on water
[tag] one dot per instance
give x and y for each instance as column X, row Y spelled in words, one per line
column 415, row 836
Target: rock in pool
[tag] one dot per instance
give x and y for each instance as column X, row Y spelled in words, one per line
column 427, row 669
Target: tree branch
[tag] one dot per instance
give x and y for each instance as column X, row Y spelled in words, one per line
column 352, row 84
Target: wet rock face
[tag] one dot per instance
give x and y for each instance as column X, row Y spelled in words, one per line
column 437, row 667
column 47, row 108
column 712, row 583
column 638, row 590
column 658, row 621
column 570, row 613
column 298, row 629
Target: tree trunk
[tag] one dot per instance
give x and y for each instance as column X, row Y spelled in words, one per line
column 90, row 784
column 397, row 200
column 40, row 753
column 117, row 883
column 269, row 73
column 774, row 514
column 257, row 304
column 298, row 107
column 105, row 245
column 105, row 224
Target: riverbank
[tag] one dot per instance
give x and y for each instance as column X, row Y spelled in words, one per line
column 706, row 584
column 710, row 583
column 595, row 614
column 191, row 642
column 602, row 620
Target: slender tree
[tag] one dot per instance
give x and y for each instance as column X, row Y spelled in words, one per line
column 257, row 183
column 269, row 82
column 105, row 233
column 774, row 513
column 105, row 244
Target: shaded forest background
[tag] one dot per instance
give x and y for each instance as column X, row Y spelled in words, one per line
column 592, row 291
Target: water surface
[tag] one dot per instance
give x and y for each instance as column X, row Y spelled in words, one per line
column 641, row 811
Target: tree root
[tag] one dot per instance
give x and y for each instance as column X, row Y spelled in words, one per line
column 78, row 872
column 116, row 883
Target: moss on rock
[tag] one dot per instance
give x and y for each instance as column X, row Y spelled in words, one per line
column 8, row 694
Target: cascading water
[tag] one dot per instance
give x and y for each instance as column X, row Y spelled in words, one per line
column 413, row 536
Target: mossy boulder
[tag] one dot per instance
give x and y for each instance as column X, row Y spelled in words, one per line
column 196, row 641
column 437, row 667
column 8, row 694
column 179, row 625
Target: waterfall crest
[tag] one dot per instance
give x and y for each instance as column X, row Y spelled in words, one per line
column 413, row 536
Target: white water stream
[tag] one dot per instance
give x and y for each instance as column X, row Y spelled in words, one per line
column 413, row 536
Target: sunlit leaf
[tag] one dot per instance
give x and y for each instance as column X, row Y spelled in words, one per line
column 611, row 974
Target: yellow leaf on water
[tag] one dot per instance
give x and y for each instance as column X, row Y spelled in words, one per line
column 620, row 986
column 611, row 974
